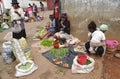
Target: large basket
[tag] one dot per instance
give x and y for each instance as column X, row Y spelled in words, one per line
column 118, row 48
column 112, row 48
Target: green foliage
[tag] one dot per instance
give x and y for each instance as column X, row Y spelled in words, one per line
column 42, row 32
column 88, row 62
column 26, row 66
column 59, row 53
column 47, row 43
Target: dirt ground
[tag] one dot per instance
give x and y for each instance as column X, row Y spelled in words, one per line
column 47, row 70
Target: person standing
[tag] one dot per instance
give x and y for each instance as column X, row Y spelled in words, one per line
column 41, row 6
column 17, row 16
column 35, row 10
column 1, row 11
column 30, row 11
column 1, row 7
column 57, row 12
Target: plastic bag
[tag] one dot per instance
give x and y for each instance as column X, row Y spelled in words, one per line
column 23, row 43
column 17, row 28
column 25, row 48
column 77, row 68
column 5, row 26
column 112, row 43
column 20, row 73
column 7, row 53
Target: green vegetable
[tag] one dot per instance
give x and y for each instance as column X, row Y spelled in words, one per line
column 88, row 62
column 42, row 32
column 47, row 42
column 26, row 66
column 59, row 53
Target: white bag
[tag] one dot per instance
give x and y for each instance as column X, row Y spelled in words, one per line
column 20, row 73
column 7, row 53
column 17, row 28
column 77, row 68
column 5, row 26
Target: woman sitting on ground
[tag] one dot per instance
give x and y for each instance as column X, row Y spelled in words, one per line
column 66, row 39
column 65, row 24
column 96, row 43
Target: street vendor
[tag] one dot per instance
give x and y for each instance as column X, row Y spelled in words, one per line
column 50, row 28
column 17, row 16
column 65, row 24
column 66, row 38
column 96, row 43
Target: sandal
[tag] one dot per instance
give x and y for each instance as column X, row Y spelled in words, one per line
column 66, row 65
column 117, row 55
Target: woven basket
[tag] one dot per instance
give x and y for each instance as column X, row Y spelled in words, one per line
column 118, row 48
column 112, row 48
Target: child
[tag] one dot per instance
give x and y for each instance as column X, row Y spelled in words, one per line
column 50, row 28
column 96, row 43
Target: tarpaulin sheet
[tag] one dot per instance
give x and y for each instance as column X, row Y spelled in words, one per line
column 66, row 60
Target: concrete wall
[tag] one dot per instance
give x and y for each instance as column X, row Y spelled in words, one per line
column 81, row 12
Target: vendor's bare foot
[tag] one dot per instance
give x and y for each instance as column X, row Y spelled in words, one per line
column 40, row 38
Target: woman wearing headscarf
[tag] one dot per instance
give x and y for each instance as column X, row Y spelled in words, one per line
column 17, row 16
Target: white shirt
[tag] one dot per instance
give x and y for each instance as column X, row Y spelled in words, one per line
column 15, row 16
column 1, row 8
column 52, row 23
column 89, row 34
column 69, row 38
column 97, row 37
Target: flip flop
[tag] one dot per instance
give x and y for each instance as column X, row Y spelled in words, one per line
column 117, row 55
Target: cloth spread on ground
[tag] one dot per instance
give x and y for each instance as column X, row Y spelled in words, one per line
column 66, row 60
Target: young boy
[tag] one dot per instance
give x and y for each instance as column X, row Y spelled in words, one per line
column 96, row 44
column 50, row 28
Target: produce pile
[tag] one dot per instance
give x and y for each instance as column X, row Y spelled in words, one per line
column 47, row 43
column 59, row 53
column 26, row 66
column 42, row 32
column 88, row 62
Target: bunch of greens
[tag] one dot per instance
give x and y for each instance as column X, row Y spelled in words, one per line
column 26, row 66
column 59, row 53
column 47, row 43
column 42, row 32
column 88, row 62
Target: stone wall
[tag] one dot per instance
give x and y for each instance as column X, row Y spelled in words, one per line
column 81, row 12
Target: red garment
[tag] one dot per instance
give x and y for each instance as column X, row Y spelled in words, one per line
column 56, row 11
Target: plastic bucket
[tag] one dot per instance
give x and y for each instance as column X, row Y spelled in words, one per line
column 82, row 59
column 56, row 45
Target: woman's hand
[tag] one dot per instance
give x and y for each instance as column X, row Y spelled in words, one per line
column 62, row 24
